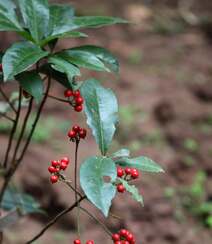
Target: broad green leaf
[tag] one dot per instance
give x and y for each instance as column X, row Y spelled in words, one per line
column 133, row 190
column 8, row 18
column 121, row 153
column 19, row 57
column 63, row 66
column 32, row 83
column 92, row 173
column 13, row 199
column 101, row 109
column 103, row 54
column 36, row 17
column 83, row 59
column 142, row 163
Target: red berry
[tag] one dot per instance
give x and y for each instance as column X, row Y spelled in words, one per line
column 68, row 93
column 125, row 242
column 120, row 172
column 52, row 169
column 65, row 160
column 118, row 242
column 120, row 188
column 76, row 128
column 123, row 232
column 129, row 237
column 134, row 173
column 55, row 163
column 76, row 93
column 79, row 100
column 78, row 108
column 72, row 134
column 128, row 171
column 54, row 179
column 63, row 165
column 82, row 133
column 1, row 68
column 90, row 242
column 77, row 241
column 116, row 237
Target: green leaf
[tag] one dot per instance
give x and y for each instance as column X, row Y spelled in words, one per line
column 121, row 153
column 32, row 83
column 142, row 163
column 20, row 57
column 13, row 199
column 36, row 17
column 8, row 18
column 99, row 192
column 133, row 190
column 63, row 66
column 101, row 53
column 101, row 109
column 83, row 59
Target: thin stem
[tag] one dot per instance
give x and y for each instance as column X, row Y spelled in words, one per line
column 97, row 220
column 55, row 219
column 6, row 117
column 59, row 99
column 12, row 133
column 7, row 100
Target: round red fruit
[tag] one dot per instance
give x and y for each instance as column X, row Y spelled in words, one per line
column 68, row 93
column 72, row 134
column 128, row 171
column 135, row 174
column 54, row 179
column 55, row 163
column 82, row 133
column 90, row 242
column 129, row 237
column 78, row 108
column 52, row 169
column 63, row 165
column 76, row 93
column 123, row 232
column 77, row 241
column 116, row 237
column 120, row 172
column 65, row 160
column 118, row 242
column 120, row 188
column 79, row 100
column 76, row 128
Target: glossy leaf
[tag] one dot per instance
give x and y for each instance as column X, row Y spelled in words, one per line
column 142, row 163
column 102, row 54
column 8, row 18
column 32, row 83
column 121, row 153
column 99, row 192
column 101, row 109
column 133, row 190
column 19, row 57
column 36, row 17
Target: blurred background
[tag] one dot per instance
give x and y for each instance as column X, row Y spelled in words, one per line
column 165, row 97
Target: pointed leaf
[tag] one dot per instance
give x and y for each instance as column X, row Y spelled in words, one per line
column 142, row 163
column 121, row 153
column 19, row 57
column 92, row 173
column 32, row 83
column 103, row 54
column 101, row 109
column 36, row 17
column 133, row 190
column 8, row 18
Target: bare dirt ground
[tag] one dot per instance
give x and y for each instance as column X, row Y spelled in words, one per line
column 165, row 97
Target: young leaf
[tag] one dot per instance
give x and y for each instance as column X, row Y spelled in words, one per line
column 8, row 18
column 121, row 153
column 32, row 83
column 133, row 190
column 142, row 163
column 99, row 192
column 103, row 54
column 19, row 57
column 36, row 17
column 101, row 109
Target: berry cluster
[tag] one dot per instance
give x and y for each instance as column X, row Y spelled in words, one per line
column 1, row 68
column 123, row 237
column 127, row 174
column 77, row 133
column 77, row 241
column 76, row 100
column 56, row 167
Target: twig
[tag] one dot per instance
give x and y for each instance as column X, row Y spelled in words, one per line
column 59, row 99
column 7, row 100
column 6, row 117
column 55, row 219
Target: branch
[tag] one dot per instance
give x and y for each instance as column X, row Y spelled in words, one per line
column 6, row 117
column 7, row 100
column 55, row 219
column 59, row 99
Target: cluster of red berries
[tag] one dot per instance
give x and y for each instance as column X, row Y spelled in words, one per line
column 56, row 167
column 77, row 241
column 1, row 68
column 123, row 237
column 76, row 100
column 127, row 174
column 77, row 133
